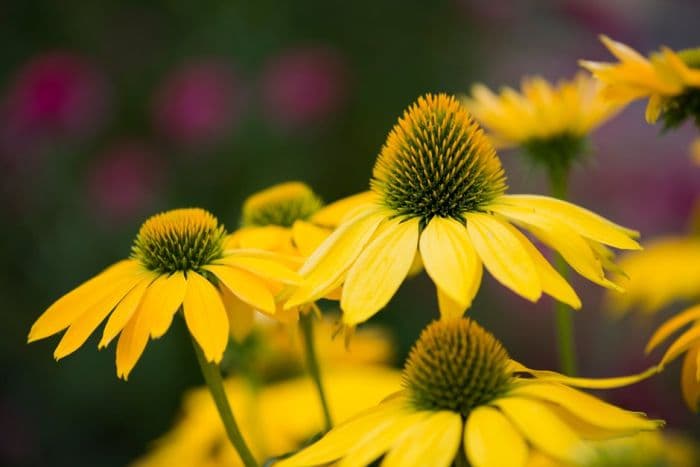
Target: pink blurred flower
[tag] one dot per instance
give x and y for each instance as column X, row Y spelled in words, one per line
column 303, row 86
column 57, row 94
column 124, row 181
column 199, row 103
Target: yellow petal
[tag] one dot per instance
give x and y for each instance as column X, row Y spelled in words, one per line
column 307, row 236
column 263, row 267
column 673, row 325
column 336, row 213
column 269, row 238
column 206, row 317
column 245, row 286
column 241, row 316
column 491, row 440
column 379, row 270
column 654, row 107
column 686, row 340
column 132, row 341
column 590, row 383
column 87, row 322
column 377, row 441
column 552, row 282
column 433, row 442
column 690, row 384
column 69, row 307
column 450, row 259
column 542, row 428
column 504, row 255
column 588, row 408
column 622, row 51
column 584, row 222
column 327, row 265
column 448, row 307
column 125, row 310
column 162, row 300
column 341, row 439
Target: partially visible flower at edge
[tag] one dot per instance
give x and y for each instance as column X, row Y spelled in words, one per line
column 463, row 397
column 175, row 258
column 695, row 151
column 438, row 188
column 669, row 79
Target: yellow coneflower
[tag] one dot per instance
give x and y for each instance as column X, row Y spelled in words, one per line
column 198, row 439
column 464, row 398
column 178, row 260
column 438, row 188
column 669, row 79
column 647, row 449
column 550, row 122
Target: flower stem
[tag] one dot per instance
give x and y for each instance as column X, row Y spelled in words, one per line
column 564, row 314
column 212, row 376
column 307, row 331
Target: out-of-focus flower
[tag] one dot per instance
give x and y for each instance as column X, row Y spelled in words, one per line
column 275, row 420
column 695, row 151
column 650, row 287
column 304, row 85
column 199, row 103
column 172, row 257
column 124, row 181
column 56, row 94
column 669, row 79
column 463, row 397
column 550, row 122
column 648, row 449
column 438, row 188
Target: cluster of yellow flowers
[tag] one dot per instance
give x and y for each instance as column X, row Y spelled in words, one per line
column 437, row 202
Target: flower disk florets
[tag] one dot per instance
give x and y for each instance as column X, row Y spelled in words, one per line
column 456, row 365
column 437, row 162
column 179, row 240
column 280, row 205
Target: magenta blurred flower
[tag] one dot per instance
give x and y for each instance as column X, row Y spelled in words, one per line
column 57, row 94
column 199, row 103
column 124, row 181
column 303, row 86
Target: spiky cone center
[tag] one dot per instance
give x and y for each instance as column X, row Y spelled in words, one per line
column 179, row 240
column 687, row 104
column 456, row 365
column 280, row 205
column 437, row 161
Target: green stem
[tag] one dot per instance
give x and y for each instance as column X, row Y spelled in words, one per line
column 307, row 331
column 212, row 376
column 564, row 314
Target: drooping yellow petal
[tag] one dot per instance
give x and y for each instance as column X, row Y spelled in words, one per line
column 206, row 317
column 491, row 440
column 132, row 341
column 307, row 236
column 586, row 407
column 379, row 270
column 673, row 325
column 378, row 441
column 690, row 383
column 542, row 428
column 263, row 267
column 589, row 383
column 245, row 286
column 341, row 439
column 688, row 339
column 448, row 307
column 87, row 322
column 327, row 265
column 584, row 222
column 450, row 259
column 433, row 442
column 125, row 310
column 654, row 108
column 504, row 255
column 334, row 214
column 241, row 316
column 69, row 307
column 162, row 300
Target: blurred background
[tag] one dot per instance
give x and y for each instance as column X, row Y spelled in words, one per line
column 113, row 110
